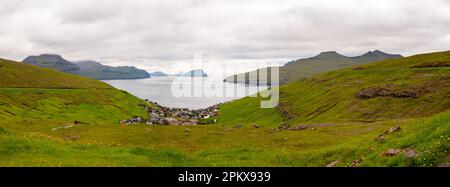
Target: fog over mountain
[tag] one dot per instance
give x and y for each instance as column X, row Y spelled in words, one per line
column 155, row 34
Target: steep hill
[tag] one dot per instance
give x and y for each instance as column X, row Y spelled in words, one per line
column 296, row 70
column 389, row 113
column 32, row 96
column 22, row 75
column 412, row 87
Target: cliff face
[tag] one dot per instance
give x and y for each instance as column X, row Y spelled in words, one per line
column 90, row 69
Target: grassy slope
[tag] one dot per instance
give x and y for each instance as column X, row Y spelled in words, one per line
column 21, row 75
column 247, row 112
column 30, row 141
column 37, row 108
column 331, row 97
column 215, row 146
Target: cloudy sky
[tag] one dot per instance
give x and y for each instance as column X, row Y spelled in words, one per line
column 154, row 34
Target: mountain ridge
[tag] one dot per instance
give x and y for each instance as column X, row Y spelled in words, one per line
column 89, row 68
column 53, row 61
column 301, row 68
column 22, row 75
column 99, row 71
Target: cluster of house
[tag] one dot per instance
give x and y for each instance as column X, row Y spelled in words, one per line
column 160, row 115
column 133, row 120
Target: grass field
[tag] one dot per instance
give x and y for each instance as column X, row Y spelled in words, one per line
column 141, row 145
column 37, row 116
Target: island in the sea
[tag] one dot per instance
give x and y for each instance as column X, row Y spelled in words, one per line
column 193, row 73
column 158, row 74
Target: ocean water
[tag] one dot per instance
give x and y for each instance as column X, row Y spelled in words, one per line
column 185, row 92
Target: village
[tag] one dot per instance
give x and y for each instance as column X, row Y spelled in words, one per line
column 160, row 115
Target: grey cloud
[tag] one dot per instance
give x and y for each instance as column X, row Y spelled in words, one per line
column 149, row 33
column 84, row 11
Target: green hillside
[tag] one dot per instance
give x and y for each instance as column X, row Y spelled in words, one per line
column 412, row 92
column 218, row 146
column 32, row 98
column 391, row 89
column 21, row 75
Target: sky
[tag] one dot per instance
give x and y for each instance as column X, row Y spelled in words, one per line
column 159, row 34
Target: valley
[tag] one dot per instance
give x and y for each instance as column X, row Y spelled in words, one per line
column 334, row 118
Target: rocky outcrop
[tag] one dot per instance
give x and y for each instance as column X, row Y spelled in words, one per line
column 374, row 92
column 411, row 91
column 333, row 164
column 433, row 64
column 407, row 152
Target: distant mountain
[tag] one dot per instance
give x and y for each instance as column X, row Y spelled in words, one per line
column 52, row 61
column 96, row 70
column 194, row 73
column 299, row 69
column 90, row 69
column 158, row 74
column 377, row 56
